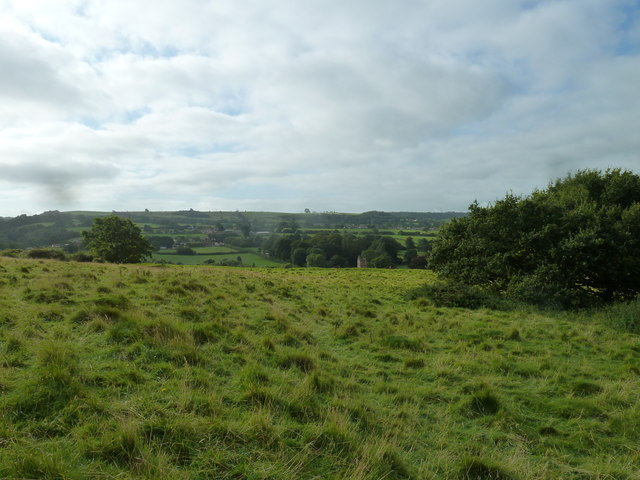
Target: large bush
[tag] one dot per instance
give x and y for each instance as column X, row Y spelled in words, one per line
column 574, row 244
column 117, row 240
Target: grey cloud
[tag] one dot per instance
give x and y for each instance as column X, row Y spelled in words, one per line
column 340, row 105
column 29, row 75
column 61, row 184
column 69, row 174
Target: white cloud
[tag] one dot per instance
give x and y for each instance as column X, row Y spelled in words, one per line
column 330, row 105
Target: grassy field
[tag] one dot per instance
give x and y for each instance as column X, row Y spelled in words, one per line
column 248, row 258
column 165, row 372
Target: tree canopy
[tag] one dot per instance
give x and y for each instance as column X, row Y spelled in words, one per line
column 333, row 249
column 574, row 244
column 117, row 240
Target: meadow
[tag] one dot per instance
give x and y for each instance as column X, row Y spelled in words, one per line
column 181, row 372
column 248, row 256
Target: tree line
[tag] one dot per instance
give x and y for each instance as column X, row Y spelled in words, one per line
column 338, row 250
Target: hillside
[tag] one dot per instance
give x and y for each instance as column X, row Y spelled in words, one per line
column 168, row 372
column 63, row 228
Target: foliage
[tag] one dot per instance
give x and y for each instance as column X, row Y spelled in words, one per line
column 117, row 240
column 419, row 262
column 333, row 249
column 299, row 257
column 454, row 294
column 625, row 315
column 161, row 241
column 574, row 244
column 61, row 228
column 51, row 253
column 316, row 260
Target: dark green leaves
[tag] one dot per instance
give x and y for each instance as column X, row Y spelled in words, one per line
column 117, row 240
column 575, row 244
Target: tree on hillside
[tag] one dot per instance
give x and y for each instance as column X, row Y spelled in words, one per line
column 299, row 257
column 160, row 241
column 117, row 240
column 245, row 229
column 409, row 243
column 574, row 244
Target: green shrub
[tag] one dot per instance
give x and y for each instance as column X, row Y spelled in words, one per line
column 455, row 294
column 574, row 244
column 11, row 252
column 51, row 253
column 81, row 257
column 624, row 315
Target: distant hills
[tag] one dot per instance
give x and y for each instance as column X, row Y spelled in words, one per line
column 59, row 228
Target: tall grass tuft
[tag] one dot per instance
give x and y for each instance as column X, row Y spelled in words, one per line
column 297, row 359
column 483, row 401
column 480, row 469
column 51, row 385
column 50, row 462
column 625, row 316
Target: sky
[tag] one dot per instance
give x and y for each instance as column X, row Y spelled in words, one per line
column 330, row 105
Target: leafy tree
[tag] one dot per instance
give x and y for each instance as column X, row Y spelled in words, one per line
column 288, row 224
column 409, row 243
column 424, row 245
column 338, row 261
column 382, row 247
column 245, row 229
column 409, row 255
column 316, row 260
column 282, row 248
column 382, row 261
column 419, row 262
column 329, row 243
column 52, row 253
column 117, row 240
column 161, row 241
column 299, row 257
column 574, row 244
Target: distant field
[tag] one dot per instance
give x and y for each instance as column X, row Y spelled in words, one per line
column 192, row 373
column 221, row 249
column 203, row 250
column 248, row 259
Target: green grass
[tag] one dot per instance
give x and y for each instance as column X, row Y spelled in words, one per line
column 168, row 372
column 217, row 250
column 249, row 259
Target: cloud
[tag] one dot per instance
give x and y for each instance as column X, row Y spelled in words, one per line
column 330, row 105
